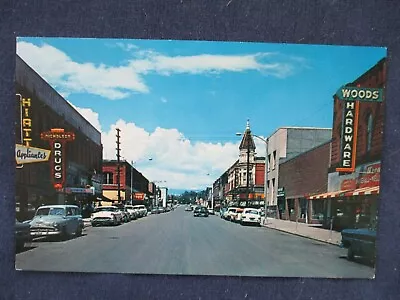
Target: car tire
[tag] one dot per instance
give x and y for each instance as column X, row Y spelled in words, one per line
column 64, row 234
column 350, row 253
column 78, row 231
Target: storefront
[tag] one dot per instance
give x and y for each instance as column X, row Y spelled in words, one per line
column 353, row 203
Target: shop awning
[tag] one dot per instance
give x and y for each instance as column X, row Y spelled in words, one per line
column 346, row 193
column 363, row 191
column 327, row 195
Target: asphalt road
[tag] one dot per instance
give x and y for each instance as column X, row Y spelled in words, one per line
column 178, row 243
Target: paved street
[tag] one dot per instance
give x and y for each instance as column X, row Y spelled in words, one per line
column 178, row 243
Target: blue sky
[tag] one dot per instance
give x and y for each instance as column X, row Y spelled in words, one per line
column 164, row 93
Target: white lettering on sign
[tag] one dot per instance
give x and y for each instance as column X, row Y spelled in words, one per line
column 349, row 134
column 58, row 161
column 26, row 121
column 362, row 94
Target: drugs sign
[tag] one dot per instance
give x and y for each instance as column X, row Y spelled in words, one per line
column 58, row 139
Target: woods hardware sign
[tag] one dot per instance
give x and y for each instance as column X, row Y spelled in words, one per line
column 58, row 139
column 360, row 94
column 349, row 136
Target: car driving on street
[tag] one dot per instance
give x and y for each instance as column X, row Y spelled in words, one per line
column 200, row 211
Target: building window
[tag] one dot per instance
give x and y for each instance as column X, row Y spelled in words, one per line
column 369, row 131
column 274, row 158
column 108, row 178
column 269, row 163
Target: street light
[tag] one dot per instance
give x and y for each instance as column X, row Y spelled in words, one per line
column 265, row 171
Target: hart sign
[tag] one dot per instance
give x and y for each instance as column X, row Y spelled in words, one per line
column 360, row 94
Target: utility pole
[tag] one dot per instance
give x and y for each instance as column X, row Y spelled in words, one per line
column 118, row 166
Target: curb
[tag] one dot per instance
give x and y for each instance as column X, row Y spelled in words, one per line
column 304, row 236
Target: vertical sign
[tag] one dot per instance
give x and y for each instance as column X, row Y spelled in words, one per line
column 26, row 121
column 58, row 139
column 349, row 136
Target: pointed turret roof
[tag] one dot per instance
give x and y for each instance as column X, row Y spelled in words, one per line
column 247, row 140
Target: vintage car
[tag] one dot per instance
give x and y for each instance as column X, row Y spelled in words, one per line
column 141, row 209
column 250, row 216
column 62, row 221
column 22, row 234
column 360, row 242
column 200, row 211
column 106, row 215
column 134, row 212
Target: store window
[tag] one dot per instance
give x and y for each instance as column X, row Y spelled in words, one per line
column 318, row 210
column 303, row 208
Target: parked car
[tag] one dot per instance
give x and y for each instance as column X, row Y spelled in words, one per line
column 141, row 209
column 106, row 215
column 200, row 211
column 134, row 213
column 360, row 242
column 250, row 216
column 188, row 208
column 126, row 216
column 62, row 221
column 22, row 234
column 235, row 217
column 210, row 211
column 230, row 213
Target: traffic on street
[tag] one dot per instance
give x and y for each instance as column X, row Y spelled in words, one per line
column 177, row 242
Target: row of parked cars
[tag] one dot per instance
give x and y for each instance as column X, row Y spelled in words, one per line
column 242, row 215
column 65, row 221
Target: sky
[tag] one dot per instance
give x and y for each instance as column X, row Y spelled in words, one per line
column 179, row 104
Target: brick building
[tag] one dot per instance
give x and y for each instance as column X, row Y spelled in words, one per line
column 134, row 187
column 39, row 109
column 351, row 199
column 299, row 177
column 246, row 189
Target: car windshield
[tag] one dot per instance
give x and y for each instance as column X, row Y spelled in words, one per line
column 105, row 209
column 51, row 211
column 255, row 212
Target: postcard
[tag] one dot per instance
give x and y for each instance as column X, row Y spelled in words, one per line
column 198, row 157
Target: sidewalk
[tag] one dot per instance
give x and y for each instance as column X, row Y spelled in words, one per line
column 304, row 230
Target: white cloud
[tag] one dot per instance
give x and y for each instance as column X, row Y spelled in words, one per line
column 112, row 82
column 91, row 116
column 182, row 163
column 118, row 82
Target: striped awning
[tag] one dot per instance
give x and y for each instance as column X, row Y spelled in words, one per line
column 347, row 193
column 328, row 195
column 363, row 191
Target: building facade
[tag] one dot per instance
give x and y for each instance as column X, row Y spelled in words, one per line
column 245, row 178
column 352, row 197
column 299, row 177
column 41, row 109
column 284, row 144
column 133, row 185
